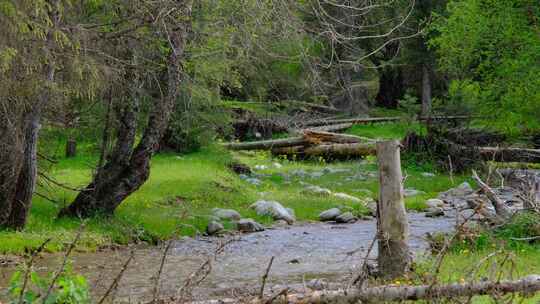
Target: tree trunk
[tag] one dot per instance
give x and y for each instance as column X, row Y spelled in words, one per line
column 391, row 88
column 426, row 91
column 71, row 147
column 394, row 257
column 11, row 157
column 127, row 170
column 26, row 179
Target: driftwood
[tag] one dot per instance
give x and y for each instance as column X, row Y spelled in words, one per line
column 336, row 151
column 309, row 137
column 392, row 293
column 333, row 127
column 500, row 208
column 381, row 294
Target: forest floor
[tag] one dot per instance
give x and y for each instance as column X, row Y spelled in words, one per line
column 182, row 191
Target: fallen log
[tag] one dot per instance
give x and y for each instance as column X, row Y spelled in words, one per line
column 393, row 293
column 367, row 120
column 528, row 285
column 309, row 137
column 510, row 154
column 332, row 128
column 335, row 151
column 356, row 121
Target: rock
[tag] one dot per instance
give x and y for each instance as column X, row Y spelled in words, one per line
column 226, row 214
column 316, row 174
column 345, row 196
column 214, row 228
column 273, row 209
column 317, row 284
column 412, row 192
column 240, row 168
column 346, row 217
column 294, row 261
column 280, row 223
column 428, row 174
column 277, row 165
column 329, row 215
column 261, row 167
column 249, row 225
column 312, row 189
column 336, row 170
column 253, row 181
column 434, row 212
column 299, row 172
column 434, row 203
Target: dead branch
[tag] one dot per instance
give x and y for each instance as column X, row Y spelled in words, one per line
column 155, row 293
column 117, row 279
column 502, row 210
column 265, row 276
column 64, row 263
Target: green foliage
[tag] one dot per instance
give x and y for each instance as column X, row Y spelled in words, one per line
column 492, row 49
column 69, row 288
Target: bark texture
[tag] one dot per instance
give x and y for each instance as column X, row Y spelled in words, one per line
column 128, row 169
column 426, row 91
column 394, row 258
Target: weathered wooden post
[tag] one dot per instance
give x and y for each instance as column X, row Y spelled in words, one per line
column 394, row 257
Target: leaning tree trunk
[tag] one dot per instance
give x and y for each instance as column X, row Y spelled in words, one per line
column 426, row 91
column 127, row 170
column 394, row 257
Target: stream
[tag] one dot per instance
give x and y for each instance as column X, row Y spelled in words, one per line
column 302, row 252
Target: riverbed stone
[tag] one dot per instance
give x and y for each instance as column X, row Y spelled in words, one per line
column 317, row 284
column 435, row 203
column 329, row 215
column 273, row 209
column 214, row 228
column 249, row 225
column 346, row 217
column 434, row 212
column 226, row 214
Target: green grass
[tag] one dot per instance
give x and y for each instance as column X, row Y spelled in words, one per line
column 467, row 266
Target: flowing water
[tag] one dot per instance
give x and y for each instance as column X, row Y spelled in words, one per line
column 302, row 252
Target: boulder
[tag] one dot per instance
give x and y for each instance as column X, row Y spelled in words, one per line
column 214, row 228
column 273, row 209
column 346, row 217
column 347, row 197
column 329, row 215
column 226, row 214
column 435, row 203
column 434, row 212
column 312, row 189
column 317, row 284
column 249, row 225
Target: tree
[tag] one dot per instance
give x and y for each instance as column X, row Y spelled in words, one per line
column 157, row 29
column 491, row 49
column 40, row 45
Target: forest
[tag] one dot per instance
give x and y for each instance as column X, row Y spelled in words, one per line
column 269, row 151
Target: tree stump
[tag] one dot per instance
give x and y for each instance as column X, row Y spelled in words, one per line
column 394, row 258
